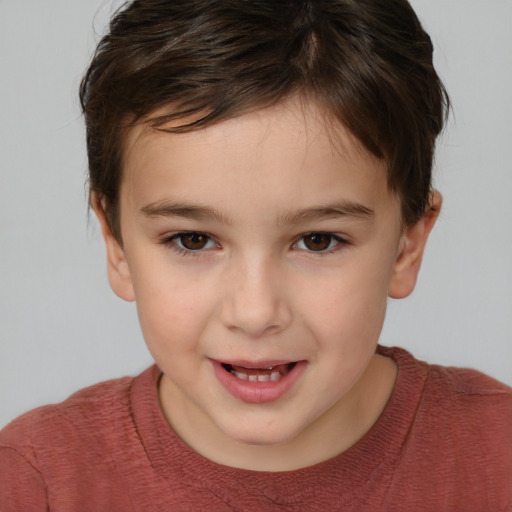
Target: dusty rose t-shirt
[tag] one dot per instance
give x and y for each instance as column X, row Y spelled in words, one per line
column 444, row 442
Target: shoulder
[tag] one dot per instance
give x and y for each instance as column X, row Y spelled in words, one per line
column 457, row 405
column 450, row 399
column 452, row 386
column 473, row 408
column 469, row 391
column 84, row 415
column 459, row 436
column 67, row 451
column 472, row 413
column 459, row 398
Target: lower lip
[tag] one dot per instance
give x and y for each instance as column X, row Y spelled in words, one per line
column 258, row 392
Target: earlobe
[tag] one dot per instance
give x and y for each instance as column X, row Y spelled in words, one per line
column 412, row 246
column 117, row 267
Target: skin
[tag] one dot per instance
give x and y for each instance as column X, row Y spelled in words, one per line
column 256, row 187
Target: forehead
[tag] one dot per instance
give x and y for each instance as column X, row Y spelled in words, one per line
column 290, row 153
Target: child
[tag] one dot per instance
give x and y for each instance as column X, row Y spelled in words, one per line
column 262, row 174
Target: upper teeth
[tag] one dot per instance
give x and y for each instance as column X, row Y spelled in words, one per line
column 258, row 378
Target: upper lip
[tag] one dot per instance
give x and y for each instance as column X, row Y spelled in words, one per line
column 264, row 363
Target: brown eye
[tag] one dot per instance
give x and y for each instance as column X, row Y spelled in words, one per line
column 193, row 241
column 317, row 241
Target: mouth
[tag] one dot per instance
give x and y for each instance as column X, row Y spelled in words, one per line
column 269, row 373
column 259, row 382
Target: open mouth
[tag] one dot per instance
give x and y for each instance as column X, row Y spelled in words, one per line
column 259, row 382
column 269, row 374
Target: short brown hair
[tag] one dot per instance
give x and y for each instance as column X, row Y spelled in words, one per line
column 368, row 63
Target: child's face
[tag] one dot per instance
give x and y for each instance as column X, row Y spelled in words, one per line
column 259, row 242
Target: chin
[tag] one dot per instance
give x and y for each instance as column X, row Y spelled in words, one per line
column 264, row 435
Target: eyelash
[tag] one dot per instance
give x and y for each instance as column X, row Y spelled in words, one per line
column 340, row 243
column 170, row 241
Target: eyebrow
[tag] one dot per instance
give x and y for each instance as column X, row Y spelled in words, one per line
column 347, row 209
column 188, row 211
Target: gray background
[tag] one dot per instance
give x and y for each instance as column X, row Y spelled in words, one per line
column 61, row 328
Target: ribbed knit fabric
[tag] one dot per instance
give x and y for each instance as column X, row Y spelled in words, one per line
column 443, row 443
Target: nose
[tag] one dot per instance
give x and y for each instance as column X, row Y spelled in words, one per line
column 254, row 302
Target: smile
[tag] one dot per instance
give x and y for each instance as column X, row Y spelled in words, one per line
column 260, row 382
column 268, row 374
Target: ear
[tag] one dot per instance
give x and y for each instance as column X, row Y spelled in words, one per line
column 412, row 245
column 117, row 266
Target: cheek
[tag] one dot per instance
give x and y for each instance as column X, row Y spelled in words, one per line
column 173, row 307
column 345, row 311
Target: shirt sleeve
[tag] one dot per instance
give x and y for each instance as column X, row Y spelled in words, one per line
column 21, row 485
